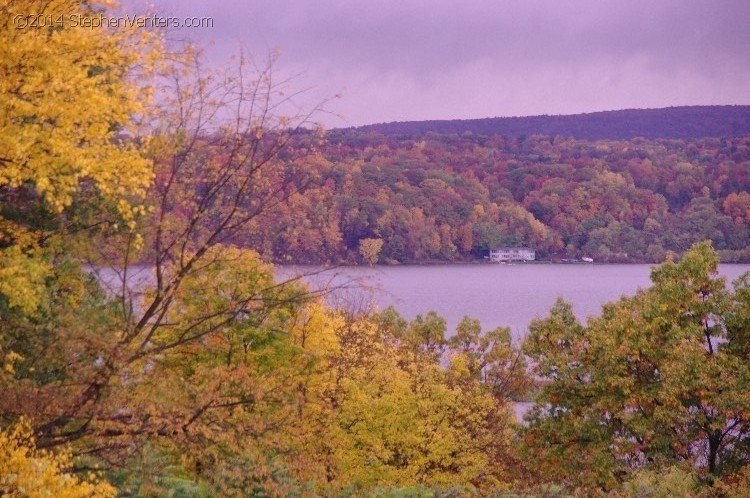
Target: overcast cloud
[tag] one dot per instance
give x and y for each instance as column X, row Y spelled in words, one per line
column 415, row 60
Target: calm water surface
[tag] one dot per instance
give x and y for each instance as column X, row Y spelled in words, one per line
column 508, row 295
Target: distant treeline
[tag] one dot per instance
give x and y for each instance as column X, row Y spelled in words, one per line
column 672, row 122
column 451, row 197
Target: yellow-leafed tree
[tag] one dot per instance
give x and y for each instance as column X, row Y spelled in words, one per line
column 26, row 471
column 65, row 95
column 67, row 104
column 380, row 411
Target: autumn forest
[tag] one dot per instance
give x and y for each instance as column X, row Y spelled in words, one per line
column 433, row 197
column 121, row 150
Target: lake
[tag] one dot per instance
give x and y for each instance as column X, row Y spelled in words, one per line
column 507, row 295
column 496, row 294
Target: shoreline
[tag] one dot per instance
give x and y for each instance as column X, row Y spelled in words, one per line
column 487, row 263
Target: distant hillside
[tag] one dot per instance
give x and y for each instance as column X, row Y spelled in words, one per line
column 671, row 122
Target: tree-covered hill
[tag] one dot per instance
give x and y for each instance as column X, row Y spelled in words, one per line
column 451, row 197
column 671, row 122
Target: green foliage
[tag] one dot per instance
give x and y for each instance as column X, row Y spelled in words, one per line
column 658, row 380
column 672, row 481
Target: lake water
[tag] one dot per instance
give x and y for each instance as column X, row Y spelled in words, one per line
column 507, row 295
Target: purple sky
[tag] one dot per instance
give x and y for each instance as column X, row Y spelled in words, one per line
column 413, row 60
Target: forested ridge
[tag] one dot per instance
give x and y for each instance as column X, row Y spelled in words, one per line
column 671, row 122
column 442, row 198
column 198, row 371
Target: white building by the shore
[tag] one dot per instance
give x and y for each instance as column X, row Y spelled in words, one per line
column 503, row 254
